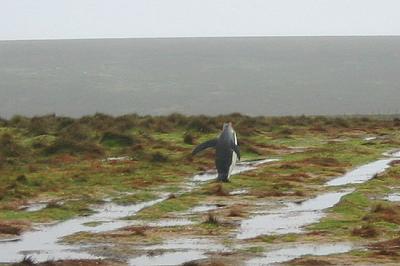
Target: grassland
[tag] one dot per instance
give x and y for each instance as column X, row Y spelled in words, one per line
column 71, row 164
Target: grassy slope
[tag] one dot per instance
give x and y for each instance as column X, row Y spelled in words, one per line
column 61, row 159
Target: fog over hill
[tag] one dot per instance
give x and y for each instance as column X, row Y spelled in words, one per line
column 256, row 76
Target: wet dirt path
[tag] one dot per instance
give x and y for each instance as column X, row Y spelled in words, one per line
column 291, row 218
column 294, row 217
column 44, row 242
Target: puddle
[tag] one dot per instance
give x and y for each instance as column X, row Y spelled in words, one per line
column 170, row 223
column 205, row 176
column 117, row 159
column 178, row 251
column 291, row 218
column 296, row 251
column 34, row 207
column 362, row 173
column 203, row 208
column 239, row 192
column 394, row 197
column 188, row 243
column 299, row 149
column 393, row 153
column 339, row 140
column 168, row 258
column 43, row 245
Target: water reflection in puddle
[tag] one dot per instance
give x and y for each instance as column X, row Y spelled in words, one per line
column 291, row 218
column 188, row 243
column 168, row 258
column 42, row 244
column 34, row 207
column 170, row 223
column 177, row 251
column 361, row 174
column 203, row 208
column 395, row 154
column 239, row 192
column 295, row 251
column 394, row 197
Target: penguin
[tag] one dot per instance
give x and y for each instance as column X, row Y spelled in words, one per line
column 227, row 151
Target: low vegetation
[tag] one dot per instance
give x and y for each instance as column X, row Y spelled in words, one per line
column 72, row 164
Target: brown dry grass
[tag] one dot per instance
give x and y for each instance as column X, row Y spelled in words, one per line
column 81, row 263
column 395, row 162
column 209, row 262
column 297, row 177
column 289, row 166
column 366, row 231
column 310, row 262
column 212, row 219
column 327, row 162
column 171, row 196
column 138, row 230
column 236, row 211
column 219, row 190
column 10, row 229
column 386, row 213
column 388, row 247
column 264, row 194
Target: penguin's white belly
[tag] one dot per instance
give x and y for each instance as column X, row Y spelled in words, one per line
column 233, row 163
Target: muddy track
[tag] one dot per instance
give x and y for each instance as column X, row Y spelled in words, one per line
column 44, row 244
column 292, row 217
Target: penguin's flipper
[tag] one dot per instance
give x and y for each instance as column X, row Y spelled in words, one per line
column 236, row 149
column 208, row 144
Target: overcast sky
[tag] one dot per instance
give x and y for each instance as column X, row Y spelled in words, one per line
column 66, row 19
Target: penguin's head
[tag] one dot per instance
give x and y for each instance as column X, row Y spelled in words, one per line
column 227, row 126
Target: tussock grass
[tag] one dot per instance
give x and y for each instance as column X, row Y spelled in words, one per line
column 188, row 138
column 211, row 219
column 328, row 162
column 138, row 230
column 236, row 212
column 366, row 231
column 72, row 147
column 134, row 198
column 10, row 229
column 26, row 261
column 389, row 247
column 9, row 146
column 381, row 212
column 158, row 157
column 218, row 190
column 310, row 262
column 211, row 262
column 116, row 139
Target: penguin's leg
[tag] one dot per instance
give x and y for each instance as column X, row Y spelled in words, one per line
column 223, row 177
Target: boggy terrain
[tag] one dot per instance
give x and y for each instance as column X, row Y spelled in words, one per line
column 125, row 190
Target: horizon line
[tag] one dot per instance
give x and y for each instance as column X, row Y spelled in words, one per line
column 206, row 37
